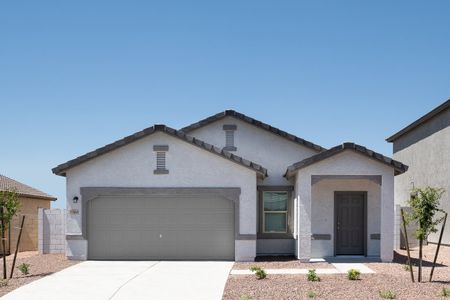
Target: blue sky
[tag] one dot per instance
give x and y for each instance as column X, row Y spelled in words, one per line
column 76, row 75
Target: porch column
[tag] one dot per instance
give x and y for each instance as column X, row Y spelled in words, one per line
column 303, row 188
column 387, row 218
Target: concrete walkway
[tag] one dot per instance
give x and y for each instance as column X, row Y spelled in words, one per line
column 338, row 268
column 119, row 280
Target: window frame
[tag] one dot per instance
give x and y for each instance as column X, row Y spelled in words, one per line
column 285, row 212
column 288, row 234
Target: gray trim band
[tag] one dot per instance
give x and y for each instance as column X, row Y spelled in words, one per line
column 375, row 236
column 71, row 237
column 229, row 148
column 321, row 237
column 275, row 236
column 317, row 178
column 232, row 194
column 160, row 171
column 229, row 127
column 160, row 148
column 248, row 237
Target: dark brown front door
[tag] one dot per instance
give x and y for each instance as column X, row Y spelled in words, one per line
column 350, row 223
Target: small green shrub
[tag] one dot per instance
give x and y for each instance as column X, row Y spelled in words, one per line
column 353, row 274
column 388, row 294
column 3, row 282
column 311, row 294
column 312, row 275
column 259, row 272
column 406, row 267
column 24, row 268
column 245, row 297
column 445, row 292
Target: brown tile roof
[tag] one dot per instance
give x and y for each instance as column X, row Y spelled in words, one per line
column 421, row 120
column 8, row 184
column 398, row 166
column 249, row 120
column 61, row 169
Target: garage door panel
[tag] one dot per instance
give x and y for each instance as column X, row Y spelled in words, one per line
column 161, row 228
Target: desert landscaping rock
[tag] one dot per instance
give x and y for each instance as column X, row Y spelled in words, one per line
column 388, row 276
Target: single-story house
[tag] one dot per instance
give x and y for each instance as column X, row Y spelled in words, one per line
column 425, row 146
column 228, row 187
column 30, row 200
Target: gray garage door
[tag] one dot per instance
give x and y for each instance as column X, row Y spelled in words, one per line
column 149, row 227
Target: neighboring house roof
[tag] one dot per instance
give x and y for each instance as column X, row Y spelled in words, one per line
column 249, row 120
column 61, row 169
column 418, row 122
column 8, row 184
column 398, row 166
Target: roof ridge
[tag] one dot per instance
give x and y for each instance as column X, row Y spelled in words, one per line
column 254, row 122
column 61, row 168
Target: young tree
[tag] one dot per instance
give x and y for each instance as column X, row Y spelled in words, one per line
column 424, row 204
column 9, row 206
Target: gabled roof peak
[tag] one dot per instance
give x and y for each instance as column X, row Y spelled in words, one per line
column 254, row 122
column 396, row 165
column 61, row 169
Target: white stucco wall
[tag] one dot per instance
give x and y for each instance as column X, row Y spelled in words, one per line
column 322, row 209
column 345, row 163
column 429, row 165
column 273, row 152
column 188, row 165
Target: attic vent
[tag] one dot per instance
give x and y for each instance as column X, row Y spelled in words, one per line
column 161, row 159
column 229, row 137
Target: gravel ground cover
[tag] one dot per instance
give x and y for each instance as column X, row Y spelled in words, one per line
column 40, row 266
column 389, row 277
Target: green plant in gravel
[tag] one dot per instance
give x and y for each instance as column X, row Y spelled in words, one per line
column 312, row 275
column 3, row 282
column 259, row 272
column 24, row 268
column 388, row 294
column 245, row 297
column 424, row 204
column 311, row 294
column 353, row 274
column 406, row 267
column 9, row 207
column 445, row 292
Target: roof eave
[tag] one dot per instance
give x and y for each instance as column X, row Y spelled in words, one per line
column 62, row 168
column 50, row 198
column 419, row 121
column 399, row 168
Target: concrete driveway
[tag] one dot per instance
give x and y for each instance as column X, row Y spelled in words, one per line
column 130, row 280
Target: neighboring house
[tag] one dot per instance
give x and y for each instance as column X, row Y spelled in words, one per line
column 228, row 187
column 30, row 200
column 424, row 146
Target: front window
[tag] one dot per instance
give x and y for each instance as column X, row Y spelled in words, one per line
column 275, row 212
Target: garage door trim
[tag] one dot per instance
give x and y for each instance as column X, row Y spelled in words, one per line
column 232, row 194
